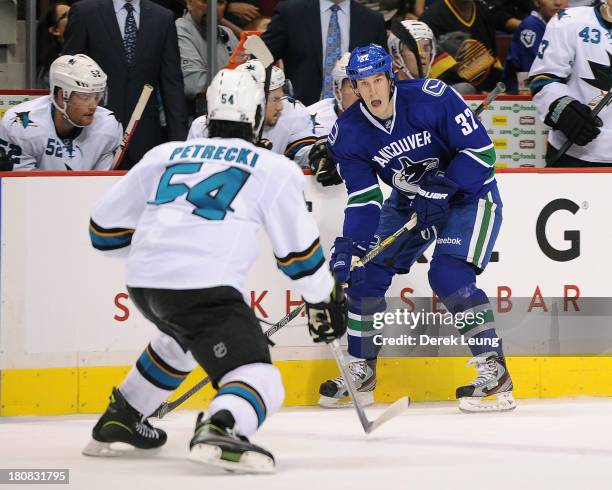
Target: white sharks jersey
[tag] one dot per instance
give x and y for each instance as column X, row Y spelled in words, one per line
column 188, row 215
column 574, row 60
column 291, row 136
column 28, row 135
column 323, row 116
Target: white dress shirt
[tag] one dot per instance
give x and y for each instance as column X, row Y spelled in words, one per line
column 344, row 18
column 121, row 13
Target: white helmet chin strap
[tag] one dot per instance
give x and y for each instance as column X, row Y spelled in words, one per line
column 63, row 112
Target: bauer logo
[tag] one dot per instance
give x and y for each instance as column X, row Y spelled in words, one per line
column 572, row 251
column 500, row 120
column 527, row 121
column 527, row 144
column 500, row 143
column 220, row 350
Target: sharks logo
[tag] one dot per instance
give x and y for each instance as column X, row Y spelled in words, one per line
column 23, row 118
column 408, row 177
column 602, row 75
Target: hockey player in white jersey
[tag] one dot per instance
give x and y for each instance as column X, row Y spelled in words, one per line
column 187, row 216
column 287, row 123
column 66, row 130
column 324, row 115
column 413, row 61
column 571, row 73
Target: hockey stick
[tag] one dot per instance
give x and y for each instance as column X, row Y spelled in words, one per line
column 255, row 46
column 566, row 146
column 398, row 407
column 167, row 407
column 133, row 124
column 499, row 88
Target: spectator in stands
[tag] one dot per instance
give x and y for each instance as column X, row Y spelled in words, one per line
column 260, row 24
column 310, row 36
column 135, row 43
column 510, row 13
column 525, row 43
column 399, row 9
column 476, row 20
column 242, row 12
column 65, row 130
column 191, row 29
column 50, row 40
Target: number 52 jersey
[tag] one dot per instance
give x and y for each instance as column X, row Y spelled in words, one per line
column 187, row 215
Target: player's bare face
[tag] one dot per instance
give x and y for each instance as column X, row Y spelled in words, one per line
column 81, row 107
column 550, row 8
column 274, row 107
column 410, row 61
column 348, row 95
column 375, row 91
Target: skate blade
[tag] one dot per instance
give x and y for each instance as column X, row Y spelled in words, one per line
column 366, row 398
column 249, row 462
column 504, row 402
column 99, row 449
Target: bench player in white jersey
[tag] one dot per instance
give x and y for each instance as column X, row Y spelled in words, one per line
column 287, row 124
column 414, row 61
column 188, row 214
column 324, row 115
column 570, row 75
column 66, row 130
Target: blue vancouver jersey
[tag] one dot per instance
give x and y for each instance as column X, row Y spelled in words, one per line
column 432, row 130
column 523, row 49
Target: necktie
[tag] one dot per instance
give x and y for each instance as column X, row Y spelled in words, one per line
column 332, row 51
column 129, row 34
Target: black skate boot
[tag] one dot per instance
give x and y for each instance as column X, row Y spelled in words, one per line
column 334, row 393
column 493, row 380
column 215, row 443
column 122, row 423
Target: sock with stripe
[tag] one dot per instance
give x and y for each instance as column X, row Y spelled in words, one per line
column 158, row 372
column 251, row 393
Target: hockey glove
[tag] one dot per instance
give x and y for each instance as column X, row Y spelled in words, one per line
column 323, row 165
column 344, row 255
column 264, row 143
column 6, row 165
column 431, row 203
column 574, row 120
column 327, row 320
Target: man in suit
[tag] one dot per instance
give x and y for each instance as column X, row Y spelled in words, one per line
column 310, row 36
column 135, row 43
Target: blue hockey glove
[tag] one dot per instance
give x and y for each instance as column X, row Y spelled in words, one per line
column 431, row 203
column 345, row 253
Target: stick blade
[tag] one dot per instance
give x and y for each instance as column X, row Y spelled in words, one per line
column 255, row 46
column 399, row 407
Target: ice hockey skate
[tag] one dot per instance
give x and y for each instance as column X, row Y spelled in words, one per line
column 334, row 393
column 121, row 423
column 493, row 380
column 215, row 443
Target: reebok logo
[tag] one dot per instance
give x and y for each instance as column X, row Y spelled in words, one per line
column 432, row 195
column 448, row 241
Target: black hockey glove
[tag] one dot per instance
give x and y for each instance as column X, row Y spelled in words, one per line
column 6, row 165
column 327, row 320
column 431, row 203
column 574, row 120
column 264, row 143
column 323, row 165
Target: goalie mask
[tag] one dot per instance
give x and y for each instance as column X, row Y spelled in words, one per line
column 77, row 75
column 235, row 96
column 424, row 40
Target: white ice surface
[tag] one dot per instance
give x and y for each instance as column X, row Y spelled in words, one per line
column 544, row 444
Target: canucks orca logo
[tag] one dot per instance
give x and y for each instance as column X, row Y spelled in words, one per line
column 408, row 177
column 23, row 118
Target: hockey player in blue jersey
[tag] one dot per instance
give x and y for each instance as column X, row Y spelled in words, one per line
column 419, row 137
column 526, row 41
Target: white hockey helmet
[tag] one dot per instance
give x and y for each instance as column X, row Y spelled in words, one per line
column 339, row 75
column 418, row 30
column 234, row 95
column 257, row 70
column 76, row 73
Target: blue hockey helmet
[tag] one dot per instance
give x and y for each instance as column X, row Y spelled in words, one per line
column 369, row 60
